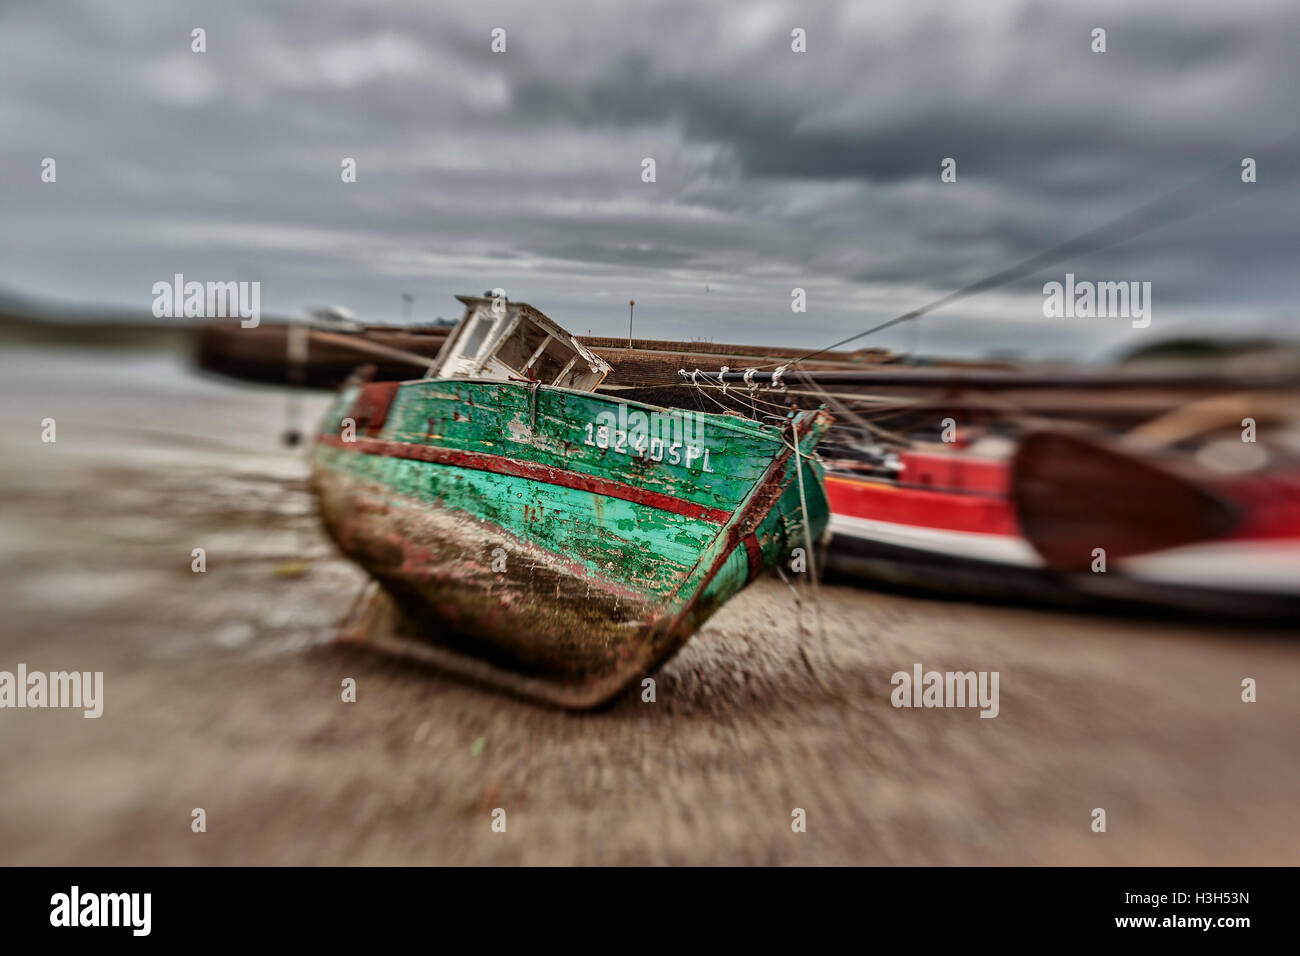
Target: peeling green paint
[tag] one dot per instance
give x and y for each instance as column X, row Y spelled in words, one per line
column 597, row 588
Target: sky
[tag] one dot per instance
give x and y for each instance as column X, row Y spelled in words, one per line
column 774, row 170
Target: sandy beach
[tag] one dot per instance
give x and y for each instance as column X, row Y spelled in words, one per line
column 222, row 691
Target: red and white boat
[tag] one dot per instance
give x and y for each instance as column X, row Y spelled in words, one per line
column 1063, row 519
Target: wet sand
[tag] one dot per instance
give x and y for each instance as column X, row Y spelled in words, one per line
column 222, row 691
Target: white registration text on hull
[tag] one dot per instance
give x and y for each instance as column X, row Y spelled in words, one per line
column 676, row 439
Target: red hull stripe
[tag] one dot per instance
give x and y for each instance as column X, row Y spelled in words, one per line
column 1271, row 505
column 857, row 498
column 950, row 473
column 531, row 470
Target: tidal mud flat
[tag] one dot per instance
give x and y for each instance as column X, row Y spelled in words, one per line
column 222, row 691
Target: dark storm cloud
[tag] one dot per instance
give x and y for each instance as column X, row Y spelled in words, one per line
column 775, row 170
column 999, row 127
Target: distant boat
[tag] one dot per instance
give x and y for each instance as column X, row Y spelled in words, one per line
column 527, row 531
column 265, row 353
column 1074, row 520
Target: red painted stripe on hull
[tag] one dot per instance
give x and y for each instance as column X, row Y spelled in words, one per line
column 531, row 470
column 957, row 474
column 987, row 514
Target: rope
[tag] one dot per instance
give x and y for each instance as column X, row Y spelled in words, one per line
column 803, row 652
column 1152, row 215
column 852, row 416
column 808, row 545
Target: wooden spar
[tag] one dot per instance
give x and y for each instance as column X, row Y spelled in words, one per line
column 1064, row 378
column 1218, row 411
column 383, row 351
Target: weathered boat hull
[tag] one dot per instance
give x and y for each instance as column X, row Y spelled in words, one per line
column 519, row 545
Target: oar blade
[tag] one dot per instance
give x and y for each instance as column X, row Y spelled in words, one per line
column 1074, row 495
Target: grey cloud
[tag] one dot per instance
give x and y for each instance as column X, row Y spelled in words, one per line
column 774, row 169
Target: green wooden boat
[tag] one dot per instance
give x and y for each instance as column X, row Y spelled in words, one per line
column 530, row 533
